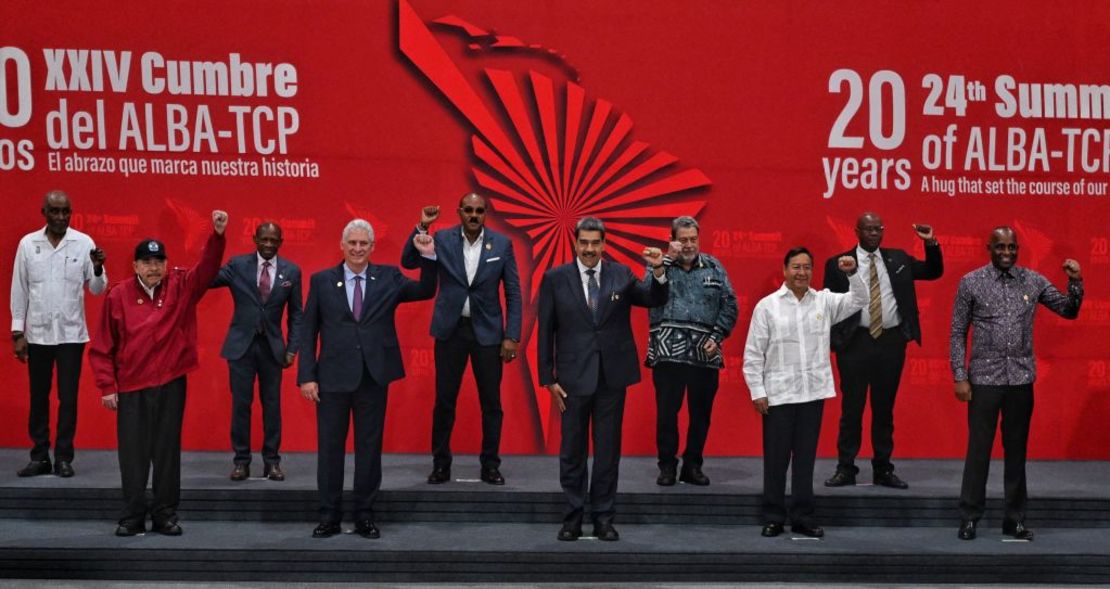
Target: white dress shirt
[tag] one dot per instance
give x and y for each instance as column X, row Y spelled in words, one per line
column 585, row 278
column 48, row 287
column 891, row 317
column 786, row 357
column 472, row 254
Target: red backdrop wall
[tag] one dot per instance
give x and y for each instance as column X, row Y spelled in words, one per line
column 746, row 109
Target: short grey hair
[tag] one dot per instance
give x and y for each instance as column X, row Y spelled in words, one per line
column 362, row 224
column 589, row 224
column 683, row 222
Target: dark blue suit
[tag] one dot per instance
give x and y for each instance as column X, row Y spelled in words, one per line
column 353, row 367
column 254, row 347
column 477, row 337
column 594, row 361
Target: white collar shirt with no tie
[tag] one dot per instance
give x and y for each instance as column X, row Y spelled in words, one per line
column 48, row 287
column 891, row 317
column 786, row 357
column 472, row 254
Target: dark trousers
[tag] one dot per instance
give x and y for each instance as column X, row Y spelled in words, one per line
column 40, row 367
column 258, row 362
column 875, row 364
column 605, row 409
column 672, row 382
column 451, row 356
column 334, row 412
column 1015, row 404
column 790, row 435
column 148, row 428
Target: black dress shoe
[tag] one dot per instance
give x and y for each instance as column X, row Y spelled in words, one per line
column 667, row 477
column 367, row 529
column 327, row 530
column 808, row 530
column 241, row 472
column 439, row 476
column 34, row 468
column 569, row 533
column 131, row 528
column 967, row 530
column 771, row 530
column 491, row 476
column 167, row 528
column 606, row 533
column 694, row 476
column 1017, row 530
column 889, row 479
column 841, row 478
column 64, row 469
column 273, row 472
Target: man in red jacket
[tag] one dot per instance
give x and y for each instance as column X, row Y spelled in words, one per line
column 145, row 344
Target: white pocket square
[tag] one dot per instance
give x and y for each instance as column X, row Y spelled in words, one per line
column 493, row 259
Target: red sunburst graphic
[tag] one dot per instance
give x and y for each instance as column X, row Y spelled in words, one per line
column 552, row 155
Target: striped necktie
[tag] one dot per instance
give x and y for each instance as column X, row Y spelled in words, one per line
column 876, row 305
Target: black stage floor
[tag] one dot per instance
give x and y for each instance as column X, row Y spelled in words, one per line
column 467, row 531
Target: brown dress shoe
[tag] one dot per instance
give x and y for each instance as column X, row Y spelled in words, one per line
column 273, row 472
column 241, row 472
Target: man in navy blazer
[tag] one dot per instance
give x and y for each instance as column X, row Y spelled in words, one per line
column 467, row 322
column 263, row 286
column 587, row 358
column 350, row 315
column 870, row 345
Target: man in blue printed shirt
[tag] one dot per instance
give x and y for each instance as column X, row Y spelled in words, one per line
column 684, row 350
column 998, row 301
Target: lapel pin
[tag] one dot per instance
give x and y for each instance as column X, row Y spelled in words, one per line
column 489, row 247
column 140, row 301
column 1026, row 297
column 339, row 284
column 615, row 296
column 281, row 277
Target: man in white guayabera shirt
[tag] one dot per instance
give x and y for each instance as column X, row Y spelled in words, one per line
column 52, row 267
column 787, row 368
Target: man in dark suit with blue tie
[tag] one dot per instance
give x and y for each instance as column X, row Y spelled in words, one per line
column 467, row 322
column 263, row 287
column 587, row 358
column 870, row 345
column 350, row 314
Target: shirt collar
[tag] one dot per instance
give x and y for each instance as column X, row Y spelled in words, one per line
column 272, row 261
column 784, row 292
column 582, row 267
column 349, row 274
column 481, row 236
column 41, row 235
column 997, row 274
column 861, row 254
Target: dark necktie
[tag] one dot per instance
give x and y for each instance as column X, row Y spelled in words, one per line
column 356, row 307
column 593, row 291
column 264, row 284
column 876, row 306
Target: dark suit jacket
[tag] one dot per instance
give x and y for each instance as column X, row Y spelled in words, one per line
column 343, row 342
column 902, row 269
column 239, row 275
column 496, row 265
column 571, row 348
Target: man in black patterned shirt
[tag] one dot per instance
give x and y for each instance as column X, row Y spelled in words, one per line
column 999, row 301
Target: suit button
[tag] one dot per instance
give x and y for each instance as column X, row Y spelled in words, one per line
column 358, row 347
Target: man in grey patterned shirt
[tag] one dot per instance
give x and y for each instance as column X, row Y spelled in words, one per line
column 684, row 350
column 999, row 301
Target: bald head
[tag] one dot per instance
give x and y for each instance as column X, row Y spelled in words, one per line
column 869, row 230
column 56, row 210
column 1003, row 247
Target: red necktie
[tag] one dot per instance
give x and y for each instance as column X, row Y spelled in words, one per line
column 264, row 284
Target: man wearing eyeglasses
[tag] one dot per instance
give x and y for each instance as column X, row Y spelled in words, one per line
column 473, row 263
column 871, row 344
